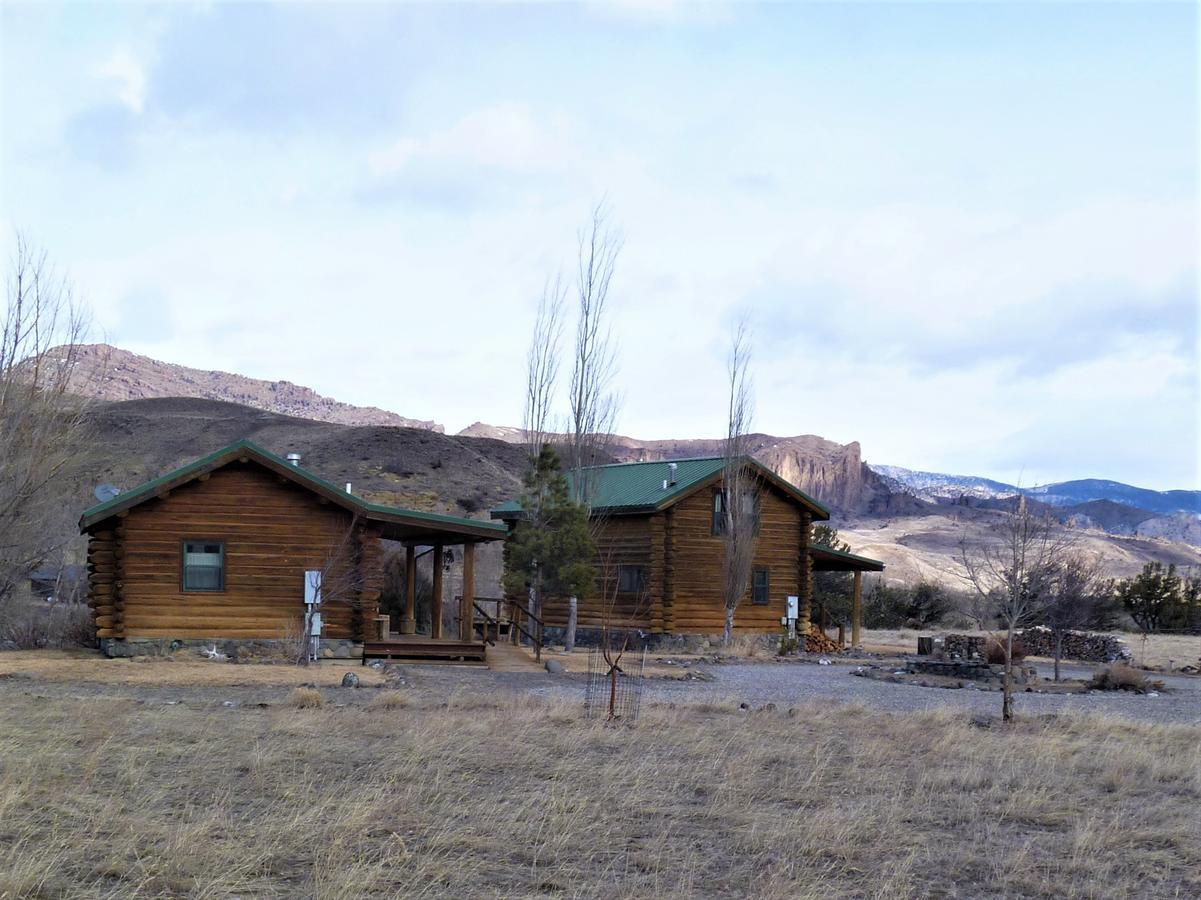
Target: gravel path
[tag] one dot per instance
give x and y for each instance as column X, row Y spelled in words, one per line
column 785, row 684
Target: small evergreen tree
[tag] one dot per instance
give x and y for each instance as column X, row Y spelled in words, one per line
column 1154, row 597
column 551, row 550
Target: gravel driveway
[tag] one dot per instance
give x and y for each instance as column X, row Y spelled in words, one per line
column 791, row 683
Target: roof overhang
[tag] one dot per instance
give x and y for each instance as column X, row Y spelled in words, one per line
column 827, row 559
column 396, row 523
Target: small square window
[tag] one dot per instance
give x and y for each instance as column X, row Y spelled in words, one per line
column 203, row 566
column 631, row 579
column 760, row 587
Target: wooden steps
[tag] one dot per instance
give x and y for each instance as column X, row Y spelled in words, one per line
column 425, row 650
column 507, row 658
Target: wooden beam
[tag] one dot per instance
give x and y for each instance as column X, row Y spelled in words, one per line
column 436, row 595
column 408, row 621
column 466, row 609
column 856, row 608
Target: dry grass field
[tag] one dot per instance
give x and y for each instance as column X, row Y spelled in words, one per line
column 88, row 666
column 420, row 792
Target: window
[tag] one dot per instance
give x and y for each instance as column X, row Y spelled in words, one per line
column 203, row 566
column 754, row 503
column 719, row 513
column 760, row 587
column 631, row 579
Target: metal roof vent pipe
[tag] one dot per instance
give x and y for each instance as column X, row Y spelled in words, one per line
column 671, row 474
column 294, row 459
column 348, row 490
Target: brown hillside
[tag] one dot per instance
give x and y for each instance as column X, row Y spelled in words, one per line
column 109, row 373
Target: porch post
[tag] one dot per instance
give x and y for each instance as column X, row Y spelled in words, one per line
column 466, row 609
column 408, row 622
column 436, row 598
column 856, row 608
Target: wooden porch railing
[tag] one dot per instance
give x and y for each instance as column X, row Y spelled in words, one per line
column 510, row 612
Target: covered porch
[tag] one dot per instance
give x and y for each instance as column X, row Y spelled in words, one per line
column 827, row 559
column 442, row 539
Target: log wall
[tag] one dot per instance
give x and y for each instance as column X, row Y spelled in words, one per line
column 273, row 532
column 683, row 561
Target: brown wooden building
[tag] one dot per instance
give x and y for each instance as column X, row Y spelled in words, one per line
column 660, row 549
column 219, row 549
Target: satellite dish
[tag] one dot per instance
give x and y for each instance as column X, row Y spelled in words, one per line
column 106, row 492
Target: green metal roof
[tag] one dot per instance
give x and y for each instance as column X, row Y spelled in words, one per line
column 638, row 487
column 831, row 560
column 218, row 458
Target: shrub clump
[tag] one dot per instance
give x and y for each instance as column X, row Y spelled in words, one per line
column 1119, row 677
column 304, row 698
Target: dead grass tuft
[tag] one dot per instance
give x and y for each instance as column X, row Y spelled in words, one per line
column 304, row 698
column 389, row 700
column 1119, row 677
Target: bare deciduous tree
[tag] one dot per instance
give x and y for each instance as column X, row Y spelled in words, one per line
column 542, row 372
column 542, row 367
column 738, row 496
column 1078, row 594
column 42, row 427
column 1016, row 573
column 593, row 404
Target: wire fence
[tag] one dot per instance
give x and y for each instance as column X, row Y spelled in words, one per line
column 614, row 689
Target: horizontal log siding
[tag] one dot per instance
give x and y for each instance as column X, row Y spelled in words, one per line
column 696, row 556
column 273, row 531
column 620, row 540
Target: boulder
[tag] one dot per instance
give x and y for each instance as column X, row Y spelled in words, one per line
column 350, row 679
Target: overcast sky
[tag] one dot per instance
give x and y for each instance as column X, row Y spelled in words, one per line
column 968, row 234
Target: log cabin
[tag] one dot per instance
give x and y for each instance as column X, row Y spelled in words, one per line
column 218, row 550
column 660, row 545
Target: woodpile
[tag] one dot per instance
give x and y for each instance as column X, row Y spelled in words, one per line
column 816, row 642
column 1082, row 645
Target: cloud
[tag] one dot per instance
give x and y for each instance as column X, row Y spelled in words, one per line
column 130, row 76
column 103, row 135
column 506, row 136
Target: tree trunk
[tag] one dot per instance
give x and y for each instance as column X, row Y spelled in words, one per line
column 1007, row 689
column 1058, row 653
column 569, row 636
column 729, row 629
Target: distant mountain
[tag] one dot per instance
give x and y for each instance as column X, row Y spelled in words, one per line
column 111, row 374
column 936, row 487
column 1069, row 493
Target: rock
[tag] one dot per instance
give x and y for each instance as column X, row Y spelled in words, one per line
column 327, row 653
column 377, row 664
column 792, row 712
column 769, row 707
column 823, row 662
column 554, row 667
column 229, row 704
column 744, row 706
column 9, row 645
column 350, row 679
column 982, row 721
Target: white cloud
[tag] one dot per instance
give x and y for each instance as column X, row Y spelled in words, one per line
column 504, row 136
column 130, row 77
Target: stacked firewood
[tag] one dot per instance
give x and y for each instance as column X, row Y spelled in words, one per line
column 816, row 642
